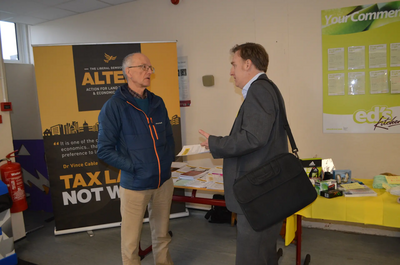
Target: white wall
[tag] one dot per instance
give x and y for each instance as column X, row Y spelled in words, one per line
column 6, row 144
column 25, row 117
column 6, row 147
column 205, row 31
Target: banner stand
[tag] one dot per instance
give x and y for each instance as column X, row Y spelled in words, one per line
column 71, row 91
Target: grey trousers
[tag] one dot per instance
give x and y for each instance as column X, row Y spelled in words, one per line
column 256, row 248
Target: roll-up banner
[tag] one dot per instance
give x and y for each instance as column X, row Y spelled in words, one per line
column 73, row 83
column 361, row 68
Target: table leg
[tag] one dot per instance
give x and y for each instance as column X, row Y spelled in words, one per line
column 298, row 245
column 307, row 260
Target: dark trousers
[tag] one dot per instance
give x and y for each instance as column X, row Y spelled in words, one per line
column 256, row 248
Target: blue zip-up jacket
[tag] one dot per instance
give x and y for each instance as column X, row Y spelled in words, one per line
column 140, row 145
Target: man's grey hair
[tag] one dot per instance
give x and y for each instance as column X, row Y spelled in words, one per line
column 126, row 62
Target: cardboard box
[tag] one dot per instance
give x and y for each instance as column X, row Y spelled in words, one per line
column 325, row 185
column 309, row 164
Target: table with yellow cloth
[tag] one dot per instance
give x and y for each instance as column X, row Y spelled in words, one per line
column 383, row 210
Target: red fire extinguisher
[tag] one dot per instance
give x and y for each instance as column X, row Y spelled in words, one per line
column 11, row 175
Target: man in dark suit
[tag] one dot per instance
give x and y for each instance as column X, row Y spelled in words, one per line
column 256, row 136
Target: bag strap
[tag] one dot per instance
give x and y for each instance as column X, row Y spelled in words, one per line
column 283, row 115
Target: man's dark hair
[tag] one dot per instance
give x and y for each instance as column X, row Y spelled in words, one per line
column 254, row 52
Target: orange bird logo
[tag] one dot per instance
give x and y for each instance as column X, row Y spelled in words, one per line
column 109, row 57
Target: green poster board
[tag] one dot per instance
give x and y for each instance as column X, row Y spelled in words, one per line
column 361, row 68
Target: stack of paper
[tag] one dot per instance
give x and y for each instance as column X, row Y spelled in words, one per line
column 190, row 172
column 177, row 165
column 357, row 190
column 197, row 183
column 193, row 174
column 181, row 182
column 174, row 168
column 186, row 168
column 198, row 177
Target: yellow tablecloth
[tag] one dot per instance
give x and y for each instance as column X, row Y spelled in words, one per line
column 380, row 210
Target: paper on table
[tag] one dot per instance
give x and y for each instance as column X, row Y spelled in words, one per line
column 215, row 186
column 193, row 174
column 186, row 168
column 216, row 170
column 175, row 174
column 178, row 164
column 393, row 179
column 214, row 178
column 174, row 179
column 181, row 182
column 197, row 183
column 192, row 150
column 364, row 191
column 352, row 186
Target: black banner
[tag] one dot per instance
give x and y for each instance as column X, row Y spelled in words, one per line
column 84, row 188
column 98, row 72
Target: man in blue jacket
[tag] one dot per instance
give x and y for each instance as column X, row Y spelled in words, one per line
column 135, row 136
column 256, row 136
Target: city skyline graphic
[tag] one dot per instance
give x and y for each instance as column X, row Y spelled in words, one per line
column 70, row 128
column 74, row 128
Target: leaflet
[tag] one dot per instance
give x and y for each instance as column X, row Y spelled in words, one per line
column 193, row 150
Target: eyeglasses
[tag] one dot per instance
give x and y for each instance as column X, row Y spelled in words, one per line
column 145, row 67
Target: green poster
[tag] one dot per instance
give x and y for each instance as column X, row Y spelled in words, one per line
column 361, row 68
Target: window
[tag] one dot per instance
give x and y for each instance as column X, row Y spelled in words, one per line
column 9, row 40
column 14, row 42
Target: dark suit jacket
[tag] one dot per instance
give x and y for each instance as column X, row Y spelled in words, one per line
column 256, row 136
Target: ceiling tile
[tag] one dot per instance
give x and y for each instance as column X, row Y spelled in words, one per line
column 50, row 2
column 81, row 6
column 5, row 15
column 51, row 13
column 20, row 6
column 26, row 20
column 38, row 11
column 116, row 2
